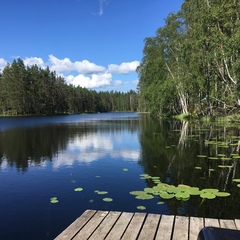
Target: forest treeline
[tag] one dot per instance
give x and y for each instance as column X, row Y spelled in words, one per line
column 34, row 90
column 192, row 64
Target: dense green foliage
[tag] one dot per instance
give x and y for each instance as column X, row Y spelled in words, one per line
column 192, row 65
column 33, row 90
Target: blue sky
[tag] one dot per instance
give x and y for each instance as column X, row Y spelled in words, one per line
column 96, row 44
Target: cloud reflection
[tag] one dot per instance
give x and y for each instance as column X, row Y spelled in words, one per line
column 93, row 147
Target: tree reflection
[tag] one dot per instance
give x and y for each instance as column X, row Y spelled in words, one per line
column 170, row 150
column 24, row 146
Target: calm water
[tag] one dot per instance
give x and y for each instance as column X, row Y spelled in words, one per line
column 44, row 157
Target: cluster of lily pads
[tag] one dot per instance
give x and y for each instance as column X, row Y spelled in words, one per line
column 180, row 192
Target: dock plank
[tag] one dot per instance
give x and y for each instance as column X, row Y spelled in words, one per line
column 134, row 227
column 237, row 222
column 91, row 225
column 165, row 227
column 211, row 222
column 224, row 223
column 120, row 226
column 76, row 226
column 105, row 226
column 149, row 227
column 196, row 224
column 110, row 225
column 180, row 228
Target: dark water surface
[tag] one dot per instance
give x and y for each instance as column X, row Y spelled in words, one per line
column 45, row 157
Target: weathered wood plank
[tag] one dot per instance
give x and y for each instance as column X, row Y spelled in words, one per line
column 134, row 227
column 105, row 226
column 101, row 225
column 196, row 224
column 91, row 225
column 165, row 228
column 237, row 222
column 180, row 230
column 120, row 226
column 224, row 223
column 211, row 222
column 76, row 226
column 149, row 227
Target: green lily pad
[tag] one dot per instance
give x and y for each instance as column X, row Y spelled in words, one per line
column 236, row 180
column 54, row 200
column 125, row 169
column 201, row 156
column 221, row 155
column 91, row 200
column 148, row 190
column 102, row 192
column 198, row 168
column 211, row 169
column 236, row 156
column 208, row 195
column 226, row 159
column 144, row 196
column 144, row 175
column 107, row 199
column 222, row 194
column 182, row 196
column 238, row 185
column 78, row 189
column 166, row 195
column 213, row 158
column 141, row 207
column 160, row 203
column 137, row 192
column 210, row 190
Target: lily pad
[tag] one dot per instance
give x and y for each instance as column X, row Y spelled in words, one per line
column 201, row 156
column 78, row 189
column 222, row 194
column 166, row 195
column 198, row 168
column 107, row 199
column 137, row 192
column 182, row 196
column 236, row 180
column 208, row 195
column 144, row 196
column 213, row 158
column 210, row 190
column 160, row 203
column 141, row 207
column 54, row 200
column 125, row 169
column 102, row 192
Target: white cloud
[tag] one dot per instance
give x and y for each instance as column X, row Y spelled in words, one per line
column 96, row 80
column 3, row 63
column 29, row 61
column 83, row 73
column 123, row 68
column 101, row 2
column 129, row 154
column 117, row 82
column 66, row 65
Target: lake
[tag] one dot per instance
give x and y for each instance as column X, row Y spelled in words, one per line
column 54, row 168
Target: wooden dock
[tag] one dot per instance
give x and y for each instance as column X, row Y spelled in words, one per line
column 110, row 225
